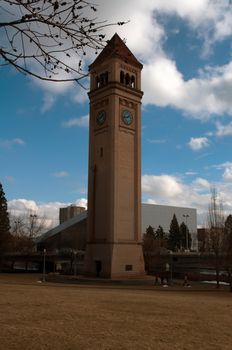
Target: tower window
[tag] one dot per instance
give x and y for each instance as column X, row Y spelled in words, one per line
column 97, row 82
column 106, row 77
column 132, row 81
column 101, row 152
column 122, row 77
column 102, row 79
column 127, row 79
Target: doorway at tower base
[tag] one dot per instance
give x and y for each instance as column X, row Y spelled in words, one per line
column 114, row 260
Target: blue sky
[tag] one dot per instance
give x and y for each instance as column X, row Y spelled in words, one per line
column 185, row 48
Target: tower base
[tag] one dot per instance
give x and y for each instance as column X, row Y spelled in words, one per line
column 114, row 260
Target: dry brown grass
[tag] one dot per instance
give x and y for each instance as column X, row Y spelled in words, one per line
column 50, row 316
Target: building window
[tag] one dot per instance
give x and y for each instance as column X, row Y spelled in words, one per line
column 128, row 267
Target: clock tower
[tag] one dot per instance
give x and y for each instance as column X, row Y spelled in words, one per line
column 114, row 247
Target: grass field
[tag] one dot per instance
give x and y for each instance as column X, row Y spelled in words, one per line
column 55, row 316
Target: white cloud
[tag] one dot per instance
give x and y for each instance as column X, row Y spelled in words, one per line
column 162, row 83
column 198, row 143
column 191, row 9
column 48, row 102
column 82, row 202
column 202, row 97
column 201, row 184
column 222, row 165
column 12, row 142
column 157, row 141
column 172, row 190
column 163, row 184
column 223, row 27
column 224, row 130
column 80, row 96
column 228, row 173
column 81, row 121
column 209, row 18
column 143, row 33
column 209, row 133
column 22, row 205
column 157, row 189
column 206, row 94
column 48, row 212
column 62, row 173
column 190, row 173
column 53, row 88
column 227, row 168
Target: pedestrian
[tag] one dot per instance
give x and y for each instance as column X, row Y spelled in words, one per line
column 186, row 283
column 162, row 279
column 156, row 279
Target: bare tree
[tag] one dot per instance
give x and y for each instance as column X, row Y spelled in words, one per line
column 228, row 248
column 24, row 230
column 49, row 39
column 216, row 224
column 29, row 225
column 203, row 240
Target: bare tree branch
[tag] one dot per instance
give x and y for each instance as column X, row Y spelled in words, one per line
column 49, row 39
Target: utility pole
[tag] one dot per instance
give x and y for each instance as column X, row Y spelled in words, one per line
column 44, row 265
column 186, row 216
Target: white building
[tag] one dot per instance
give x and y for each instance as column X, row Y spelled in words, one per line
column 155, row 215
column 152, row 214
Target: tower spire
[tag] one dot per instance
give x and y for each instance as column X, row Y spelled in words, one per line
column 116, row 48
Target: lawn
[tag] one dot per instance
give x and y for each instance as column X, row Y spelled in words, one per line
column 56, row 316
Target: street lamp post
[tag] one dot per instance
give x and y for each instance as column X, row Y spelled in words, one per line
column 17, row 223
column 171, row 267
column 44, row 265
column 75, row 263
column 33, row 218
column 186, row 216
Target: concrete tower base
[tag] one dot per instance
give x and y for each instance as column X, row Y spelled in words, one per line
column 114, row 260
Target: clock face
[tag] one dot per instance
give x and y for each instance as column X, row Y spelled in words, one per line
column 101, row 117
column 127, row 117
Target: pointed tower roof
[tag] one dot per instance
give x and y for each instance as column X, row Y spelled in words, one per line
column 116, row 48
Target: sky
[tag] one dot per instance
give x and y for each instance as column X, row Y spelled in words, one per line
column 185, row 48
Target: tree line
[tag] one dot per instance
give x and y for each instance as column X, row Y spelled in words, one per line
column 214, row 241
column 216, row 238
column 177, row 239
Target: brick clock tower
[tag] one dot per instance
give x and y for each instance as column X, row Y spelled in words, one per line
column 114, row 247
